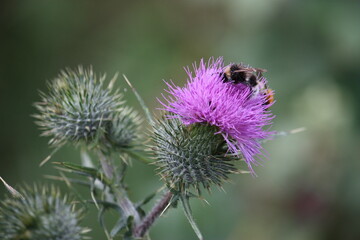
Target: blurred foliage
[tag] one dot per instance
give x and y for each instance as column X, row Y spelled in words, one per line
column 309, row 189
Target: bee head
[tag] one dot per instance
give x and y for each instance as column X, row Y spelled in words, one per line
column 237, row 75
column 252, row 80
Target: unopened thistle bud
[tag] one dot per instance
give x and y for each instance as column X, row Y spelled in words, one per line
column 41, row 214
column 191, row 156
column 77, row 108
column 122, row 131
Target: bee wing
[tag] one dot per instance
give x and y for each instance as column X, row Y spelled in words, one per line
column 260, row 70
column 245, row 70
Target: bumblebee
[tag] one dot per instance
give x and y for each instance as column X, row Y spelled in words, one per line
column 242, row 74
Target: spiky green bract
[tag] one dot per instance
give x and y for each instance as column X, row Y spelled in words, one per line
column 122, row 131
column 43, row 214
column 191, row 155
column 77, row 107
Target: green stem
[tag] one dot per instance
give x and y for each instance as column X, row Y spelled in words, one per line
column 119, row 190
column 125, row 204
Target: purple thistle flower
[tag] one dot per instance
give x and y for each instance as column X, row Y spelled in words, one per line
column 240, row 114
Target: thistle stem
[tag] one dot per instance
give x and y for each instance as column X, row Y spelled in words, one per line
column 119, row 191
column 155, row 212
column 125, row 204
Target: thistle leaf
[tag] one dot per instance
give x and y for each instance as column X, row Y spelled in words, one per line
column 188, row 213
column 141, row 101
column 81, row 170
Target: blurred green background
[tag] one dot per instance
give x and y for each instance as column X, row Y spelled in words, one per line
column 310, row 186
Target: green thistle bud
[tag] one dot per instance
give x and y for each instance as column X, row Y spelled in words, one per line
column 122, row 131
column 77, row 108
column 42, row 214
column 191, row 156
